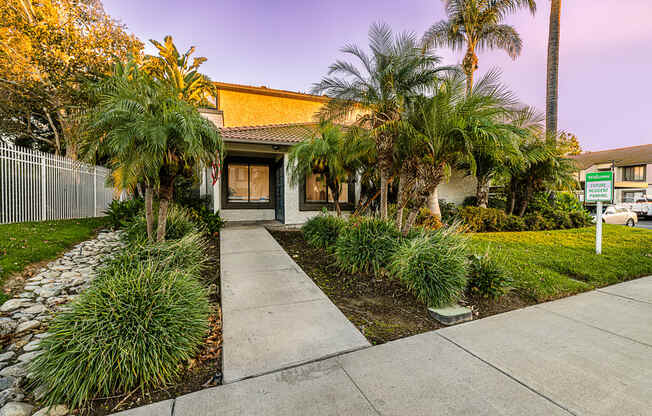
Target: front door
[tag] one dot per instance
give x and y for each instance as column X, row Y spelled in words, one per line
column 280, row 193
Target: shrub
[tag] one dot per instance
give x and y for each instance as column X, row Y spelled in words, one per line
column 580, row 218
column 121, row 213
column 132, row 328
column 448, row 211
column 536, row 222
column 514, row 223
column 322, row 230
column 483, row 219
column 433, row 266
column 427, row 220
column 206, row 219
column 487, row 278
column 366, row 244
column 179, row 223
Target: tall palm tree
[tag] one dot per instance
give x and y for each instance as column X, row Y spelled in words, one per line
column 476, row 24
column 552, row 80
column 179, row 73
column 395, row 73
column 327, row 152
column 147, row 131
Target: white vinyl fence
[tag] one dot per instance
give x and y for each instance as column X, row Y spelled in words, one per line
column 36, row 186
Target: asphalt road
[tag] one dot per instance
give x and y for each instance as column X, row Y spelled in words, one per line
column 645, row 224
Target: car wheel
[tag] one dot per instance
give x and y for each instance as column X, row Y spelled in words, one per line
column 630, row 222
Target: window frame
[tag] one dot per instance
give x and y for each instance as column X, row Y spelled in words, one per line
column 633, row 179
column 318, row 206
column 249, row 161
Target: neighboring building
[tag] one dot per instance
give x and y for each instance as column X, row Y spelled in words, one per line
column 258, row 126
column 632, row 168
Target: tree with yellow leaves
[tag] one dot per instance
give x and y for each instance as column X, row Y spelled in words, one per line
column 48, row 49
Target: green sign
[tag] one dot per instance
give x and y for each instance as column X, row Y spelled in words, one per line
column 599, row 186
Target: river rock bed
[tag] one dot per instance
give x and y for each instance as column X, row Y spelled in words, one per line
column 24, row 319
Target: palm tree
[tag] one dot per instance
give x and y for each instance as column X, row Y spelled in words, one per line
column 327, row 152
column 442, row 131
column 552, row 81
column 176, row 70
column 394, row 74
column 149, row 133
column 476, row 24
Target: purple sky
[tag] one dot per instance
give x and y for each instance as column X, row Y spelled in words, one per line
column 604, row 88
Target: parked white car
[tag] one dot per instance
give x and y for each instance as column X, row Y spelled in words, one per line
column 619, row 215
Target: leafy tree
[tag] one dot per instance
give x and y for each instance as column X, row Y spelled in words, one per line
column 477, row 24
column 148, row 132
column 179, row 73
column 330, row 153
column 552, row 79
column 395, row 73
column 48, row 48
column 569, row 143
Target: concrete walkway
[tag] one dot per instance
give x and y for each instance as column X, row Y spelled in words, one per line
column 589, row 354
column 274, row 315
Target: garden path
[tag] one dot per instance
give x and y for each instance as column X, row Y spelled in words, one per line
column 584, row 355
column 274, row 315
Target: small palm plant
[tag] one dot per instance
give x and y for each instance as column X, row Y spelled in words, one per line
column 148, row 133
column 477, row 24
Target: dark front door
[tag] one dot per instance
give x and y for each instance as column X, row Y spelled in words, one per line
column 280, row 193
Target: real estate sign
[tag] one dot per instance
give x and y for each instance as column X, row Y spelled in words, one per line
column 599, row 187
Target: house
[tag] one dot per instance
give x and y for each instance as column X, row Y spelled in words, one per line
column 632, row 167
column 258, row 126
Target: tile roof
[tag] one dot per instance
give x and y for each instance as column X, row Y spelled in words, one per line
column 624, row 156
column 288, row 133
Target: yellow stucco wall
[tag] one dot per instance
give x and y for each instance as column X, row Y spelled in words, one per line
column 251, row 109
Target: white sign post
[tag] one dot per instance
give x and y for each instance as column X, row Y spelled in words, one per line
column 599, row 188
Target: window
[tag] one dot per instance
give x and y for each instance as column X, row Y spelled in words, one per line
column 634, row 173
column 247, row 184
column 634, row 196
column 315, row 195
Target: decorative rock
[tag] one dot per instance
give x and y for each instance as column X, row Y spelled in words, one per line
column 69, row 275
column 7, row 326
column 8, row 382
column 450, row 315
column 7, row 356
column 16, row 409
column 58, row 410
column 11, row 395
column 36, row 309
column 17, row 371
column 32, row 346
column 28, row 356
column 12, row 304
column 27, row 326
column 42, row 335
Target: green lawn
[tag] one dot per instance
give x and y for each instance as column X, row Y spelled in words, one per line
column 551, row 264
column 29, row 242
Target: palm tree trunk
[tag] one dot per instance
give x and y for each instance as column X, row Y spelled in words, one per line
column 164, row 203
column 400, row 207
column 433, row 204
column 149, row 211
column 384, row 181
column 552, row 82
column 482, row 191
column 469, row 65
column 525, row 200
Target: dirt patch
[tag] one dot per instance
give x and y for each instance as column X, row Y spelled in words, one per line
column 381, row 308
column 203, row 371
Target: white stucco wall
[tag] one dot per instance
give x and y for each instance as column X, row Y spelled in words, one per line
column 458, row 187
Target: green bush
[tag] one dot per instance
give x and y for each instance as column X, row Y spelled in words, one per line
column 580, row 218
column 487, row 278
column 514, row 223
column 121, row 213
column 433, row 266
column 482, row 220
column 537, row 222
column 448, row 211
column 322, row 230
column 206, row 219
column 132, row 328
column 366, row 244
column 179, row 223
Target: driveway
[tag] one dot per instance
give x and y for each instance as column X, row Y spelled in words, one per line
column 584, row 355
column 645, row 224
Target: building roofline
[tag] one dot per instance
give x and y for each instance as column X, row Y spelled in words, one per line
column 269, row 91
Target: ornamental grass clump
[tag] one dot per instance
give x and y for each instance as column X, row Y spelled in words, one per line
column 366, row 244
column 433, row 266
column 131, row 329
column 322, row 230
column 487, row 278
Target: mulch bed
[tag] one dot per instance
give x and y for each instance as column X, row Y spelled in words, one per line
column 204, row 371
column 380, row 307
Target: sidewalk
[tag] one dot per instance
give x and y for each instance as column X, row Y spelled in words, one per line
column 274, row 315
column 585, row 355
